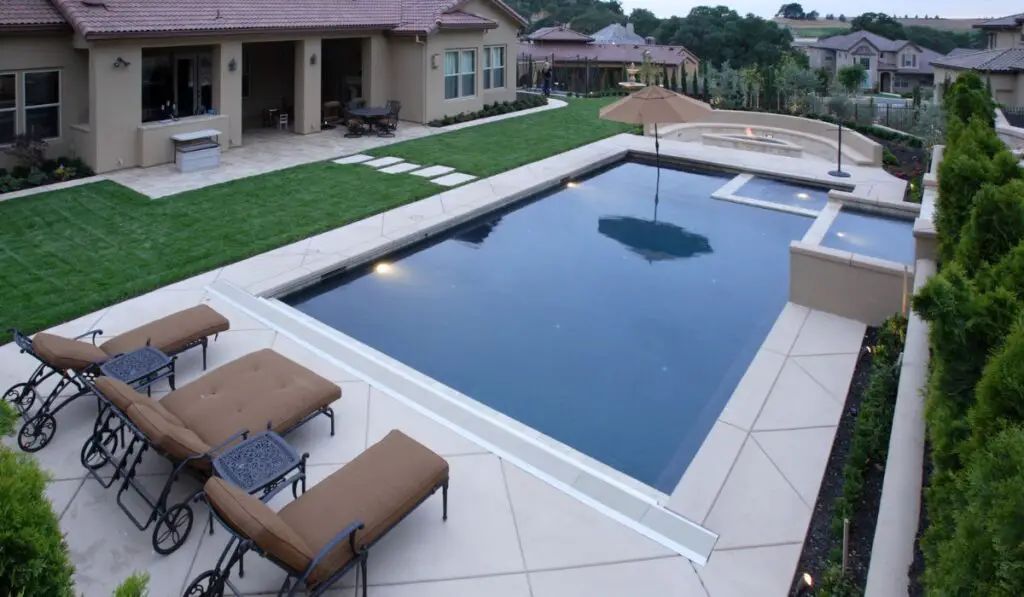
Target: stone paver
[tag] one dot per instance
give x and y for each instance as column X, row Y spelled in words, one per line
column 453, row 179
column 358, row 158
column 400, row 168
column 432, row 171
column 381, row 162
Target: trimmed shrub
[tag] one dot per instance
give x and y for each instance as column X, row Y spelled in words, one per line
column 983, row 554
column 995, row 227
column 33, row 555
column 1000, row 393
column 967, row 98
column 1008, row 273
column 136, row 585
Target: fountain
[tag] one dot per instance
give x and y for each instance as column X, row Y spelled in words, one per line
column 631, row 82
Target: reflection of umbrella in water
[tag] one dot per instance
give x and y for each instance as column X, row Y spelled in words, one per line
column 654, row 240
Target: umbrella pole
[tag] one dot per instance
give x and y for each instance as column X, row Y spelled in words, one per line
column 657, row 162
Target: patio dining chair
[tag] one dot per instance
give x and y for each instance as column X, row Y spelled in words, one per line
column 387, row 126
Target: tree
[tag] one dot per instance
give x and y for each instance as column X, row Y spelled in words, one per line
column 695, row 86
column 792, row 10
column 644, row 22
column 879, row 24
column 842, row 18
column 852, row 77
column 968, row 97
column 830, row 17
column 811, row 16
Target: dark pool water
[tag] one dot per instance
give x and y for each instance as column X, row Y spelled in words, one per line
column 785, row 193
column 582, row 316
column 872, row 235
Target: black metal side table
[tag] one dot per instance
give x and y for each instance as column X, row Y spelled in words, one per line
column 140, row 368
column 261, row 463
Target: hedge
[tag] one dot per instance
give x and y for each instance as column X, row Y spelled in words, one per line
column 34, row 558
column 524, row 101
column 974, row 404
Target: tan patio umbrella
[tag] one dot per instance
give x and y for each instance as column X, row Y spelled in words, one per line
column 653, row 105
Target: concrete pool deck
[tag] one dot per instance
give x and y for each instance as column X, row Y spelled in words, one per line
column 514, row 529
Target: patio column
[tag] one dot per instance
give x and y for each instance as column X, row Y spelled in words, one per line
column 227, row 88
column 375, row 70
column 308, row 103
column 115, row 106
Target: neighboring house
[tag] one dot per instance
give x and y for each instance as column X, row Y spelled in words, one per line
column 896, row 66
column 580, row 62
column 1001, row 64
column 618, row 34
column 97, row 77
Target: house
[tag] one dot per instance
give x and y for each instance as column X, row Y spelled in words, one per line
column 1001, row 64
column 112, row 80
column 582, row 63
column 896, row 66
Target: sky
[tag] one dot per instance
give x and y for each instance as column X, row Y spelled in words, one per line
column 768, row 8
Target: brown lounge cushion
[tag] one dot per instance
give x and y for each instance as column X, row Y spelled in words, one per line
column 246, row 394
column 378, row 488
column 170, row 334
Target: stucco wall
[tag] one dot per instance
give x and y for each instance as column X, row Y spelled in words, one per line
column 505, row 35
column 46, row 52
column 409, row 68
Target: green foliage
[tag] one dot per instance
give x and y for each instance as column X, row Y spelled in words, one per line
column 968, row 98
column 995, row 227
column 136, row 585
column 880, row 24
column 851, row 77
column 974, row 157
column 888, row 158
column 981, row 552
column 1000, row 393
column 33, row 555
column 524, row 101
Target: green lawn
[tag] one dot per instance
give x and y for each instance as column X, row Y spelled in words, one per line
column 69, row 252
column 493, row 148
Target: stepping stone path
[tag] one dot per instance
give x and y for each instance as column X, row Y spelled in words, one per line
column 442, row 175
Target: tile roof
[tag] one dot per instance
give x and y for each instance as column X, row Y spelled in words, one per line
column 604, row 53
column 845, row 42
column 29, row 13
column 997, row 60
column 1008, row 22
column 457, row 19
column 558, row 33
column 125, row 18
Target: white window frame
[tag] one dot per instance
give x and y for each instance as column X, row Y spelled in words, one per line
column 60, row 96
column 17, row 123
column 489, row 53
column 459, row 95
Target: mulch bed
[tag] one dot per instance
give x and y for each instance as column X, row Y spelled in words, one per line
column 820, row 540
column 912, row 166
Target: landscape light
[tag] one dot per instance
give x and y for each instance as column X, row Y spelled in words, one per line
column 802, row 196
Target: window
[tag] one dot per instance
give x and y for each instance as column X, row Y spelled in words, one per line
column 459, row 73
column 8, row 107
column 901, row 82
column 494, row 67
column 177, row 82
column 866, row 63
column 42, row 104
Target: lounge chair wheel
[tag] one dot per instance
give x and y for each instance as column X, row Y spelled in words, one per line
column 37, row 432
column 21, row 396
column 207, row 584
column 92, row 456
column 172, row 529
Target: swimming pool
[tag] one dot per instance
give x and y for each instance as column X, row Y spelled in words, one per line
column 613, row 323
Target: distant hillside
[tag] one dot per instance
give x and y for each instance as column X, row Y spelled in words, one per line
column 812, row 28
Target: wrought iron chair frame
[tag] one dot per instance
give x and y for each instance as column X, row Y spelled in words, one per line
column 101, row 448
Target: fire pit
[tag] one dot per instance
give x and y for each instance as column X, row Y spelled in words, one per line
column 752, row 142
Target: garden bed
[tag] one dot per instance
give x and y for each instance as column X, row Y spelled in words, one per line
column 852, row 485
column 524, row 101
column 34, row 170
column 905, row 162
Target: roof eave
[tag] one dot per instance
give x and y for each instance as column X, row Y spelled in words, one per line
column 465, row 26
column 109, row 35
column 23, row 28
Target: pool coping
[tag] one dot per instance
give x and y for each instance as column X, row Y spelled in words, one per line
column 643, row 508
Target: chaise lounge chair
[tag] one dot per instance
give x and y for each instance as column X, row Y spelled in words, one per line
column 327, row 531
column 75, row 361
column 191, row 425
